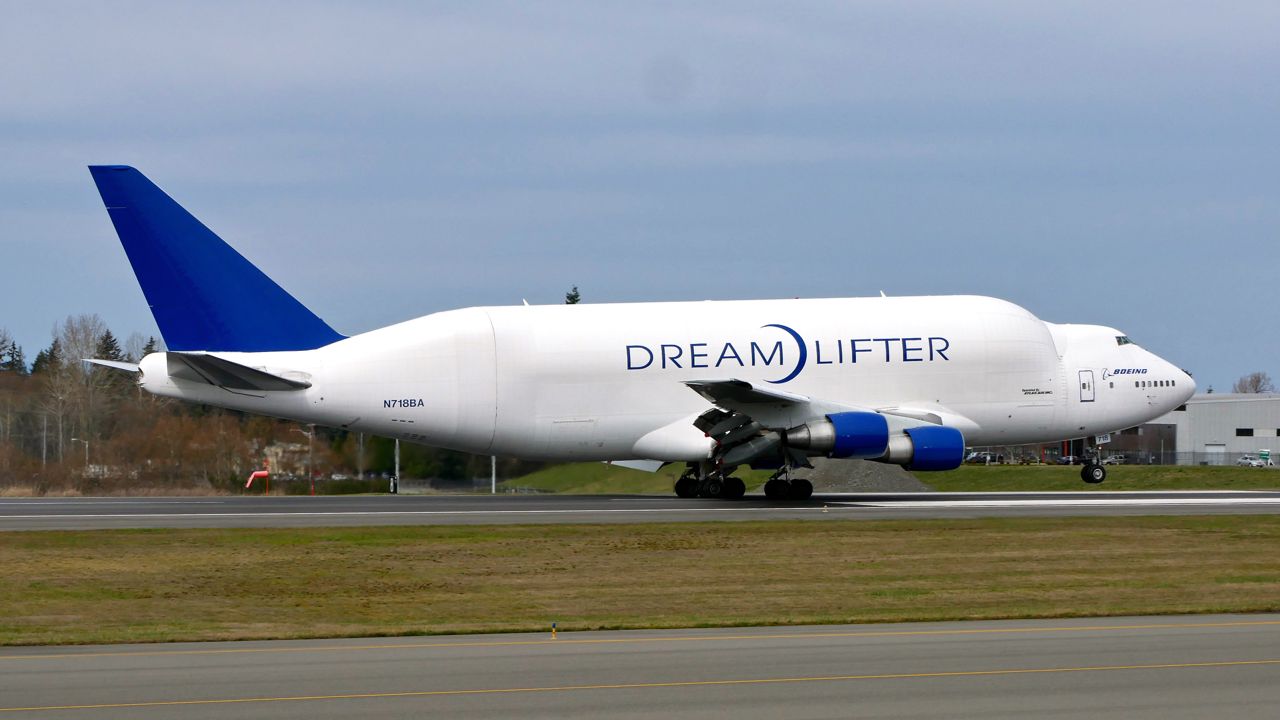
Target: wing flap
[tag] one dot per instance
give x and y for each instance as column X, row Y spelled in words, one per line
column 741, row 392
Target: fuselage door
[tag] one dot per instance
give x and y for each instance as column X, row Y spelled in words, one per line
column 1086, row 386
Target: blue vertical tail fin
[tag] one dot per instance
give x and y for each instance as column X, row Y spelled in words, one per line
column 204, row 295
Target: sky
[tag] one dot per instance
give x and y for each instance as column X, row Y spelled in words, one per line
column 1108, row 163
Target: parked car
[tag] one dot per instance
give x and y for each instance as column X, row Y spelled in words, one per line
column 1113, row 460
column 1252, row 461
column 981, row 458
column 1068, row 460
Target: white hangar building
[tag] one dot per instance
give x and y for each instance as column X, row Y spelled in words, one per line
column 1218, row 428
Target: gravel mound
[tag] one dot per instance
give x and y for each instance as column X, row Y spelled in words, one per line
column 860, row 476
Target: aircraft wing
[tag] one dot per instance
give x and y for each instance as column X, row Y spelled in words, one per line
column 769, row 406
column 741, row 392
column 747, row 418
column 750, row 422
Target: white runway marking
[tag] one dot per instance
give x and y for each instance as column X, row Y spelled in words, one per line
column 1068, row 502
column 1085, row 502
column 88, row 503
column 358, row 513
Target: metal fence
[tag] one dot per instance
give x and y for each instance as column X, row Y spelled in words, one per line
column 1197, row 458
column 1034, row 454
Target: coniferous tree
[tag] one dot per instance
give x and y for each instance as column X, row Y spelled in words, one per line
column 573, row 297
column 6, row 341
column 104, row 380
column 108, row 348
column 48, row 360
column 12, row 358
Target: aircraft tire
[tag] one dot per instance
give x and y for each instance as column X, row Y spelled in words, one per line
column 687, row 487
column 712, row 487
column 1093, row 474
column 800, row 490
column 734, row 488
column 776, row 489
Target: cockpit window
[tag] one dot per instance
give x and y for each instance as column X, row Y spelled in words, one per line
column 1123, row 340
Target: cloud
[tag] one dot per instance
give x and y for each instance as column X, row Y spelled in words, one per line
column 386, row 159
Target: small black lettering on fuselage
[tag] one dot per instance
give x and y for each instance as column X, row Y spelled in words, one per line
column 403, row 403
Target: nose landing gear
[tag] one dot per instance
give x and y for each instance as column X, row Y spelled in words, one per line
column 1093, row 473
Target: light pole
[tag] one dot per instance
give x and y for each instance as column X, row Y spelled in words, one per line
column 395, row 474
column 311, row 475
column 86, row 453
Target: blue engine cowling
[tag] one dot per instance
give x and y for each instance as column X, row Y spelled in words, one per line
column 843, row 435
column 934, row 447
column 865, row 435
column 859, row 435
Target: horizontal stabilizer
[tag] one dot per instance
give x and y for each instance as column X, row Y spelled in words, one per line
column 195, row 367
column 114, row 364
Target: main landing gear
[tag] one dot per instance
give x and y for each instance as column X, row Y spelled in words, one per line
column 712, row 485
column 707, row 481
column 783, row 487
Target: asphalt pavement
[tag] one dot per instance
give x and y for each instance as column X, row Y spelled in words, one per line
column 353, row 510
column 1161, row 668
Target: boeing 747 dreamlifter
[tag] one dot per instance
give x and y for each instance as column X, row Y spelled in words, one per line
column 713, row 385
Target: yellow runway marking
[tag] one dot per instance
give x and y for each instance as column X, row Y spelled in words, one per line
column 650, row 685
column 653, row 639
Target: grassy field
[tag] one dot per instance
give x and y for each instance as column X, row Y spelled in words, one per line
column 111, row 586
column 589, row 478
column 601, row 478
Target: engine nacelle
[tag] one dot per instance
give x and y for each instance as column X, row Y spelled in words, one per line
column 843, row 435
column 926, row 448
column 866, row 436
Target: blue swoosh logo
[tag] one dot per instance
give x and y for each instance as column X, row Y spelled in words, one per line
column 804, row 353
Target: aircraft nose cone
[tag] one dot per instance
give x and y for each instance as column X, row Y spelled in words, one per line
column 1189, row 388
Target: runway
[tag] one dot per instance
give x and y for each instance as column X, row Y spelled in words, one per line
column 1136, row 667
column 354, row 510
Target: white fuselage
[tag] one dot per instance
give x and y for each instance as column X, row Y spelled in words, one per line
column 606, row 382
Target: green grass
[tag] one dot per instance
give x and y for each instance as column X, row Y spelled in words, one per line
column 598, row 478
column 994, row 478
column 165, row 585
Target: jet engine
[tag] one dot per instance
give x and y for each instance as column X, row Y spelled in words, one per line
column 866, row 435
column 843, row 435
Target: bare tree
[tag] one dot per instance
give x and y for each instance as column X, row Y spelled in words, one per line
column 50, row 370
column 135, row 347
column 73, row 387
column 1258, row 382
column 80, row 335
column 6, row 397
